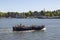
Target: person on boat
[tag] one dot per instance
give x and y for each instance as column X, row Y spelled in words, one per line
column 23, row 26
column 20, row 25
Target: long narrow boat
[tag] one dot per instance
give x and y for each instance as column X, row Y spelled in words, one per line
column 24, row 28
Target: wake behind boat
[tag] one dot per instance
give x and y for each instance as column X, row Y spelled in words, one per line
column 26, row 28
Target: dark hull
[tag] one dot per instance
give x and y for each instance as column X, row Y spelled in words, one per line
column 27, row 28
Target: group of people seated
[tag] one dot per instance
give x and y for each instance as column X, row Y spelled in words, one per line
column 23, row 26
column 20, row 26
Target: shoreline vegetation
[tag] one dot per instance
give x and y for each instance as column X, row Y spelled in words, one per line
column 41, row 14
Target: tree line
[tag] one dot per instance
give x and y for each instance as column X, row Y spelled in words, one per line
column 30, row 14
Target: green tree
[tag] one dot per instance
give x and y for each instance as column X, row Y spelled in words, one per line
column 42, row 13
column 30, row 13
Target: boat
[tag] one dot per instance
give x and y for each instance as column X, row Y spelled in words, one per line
column 26, row 28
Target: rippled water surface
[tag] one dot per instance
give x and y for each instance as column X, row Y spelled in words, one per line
column 52, row 31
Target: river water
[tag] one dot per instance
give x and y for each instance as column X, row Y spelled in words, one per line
column 52, row 31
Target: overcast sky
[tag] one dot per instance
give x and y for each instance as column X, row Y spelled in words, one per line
column 26, row 5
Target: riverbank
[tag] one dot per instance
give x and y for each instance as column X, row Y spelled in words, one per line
column 40, row 17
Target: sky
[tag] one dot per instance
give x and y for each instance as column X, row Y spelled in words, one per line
column 28, row 5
